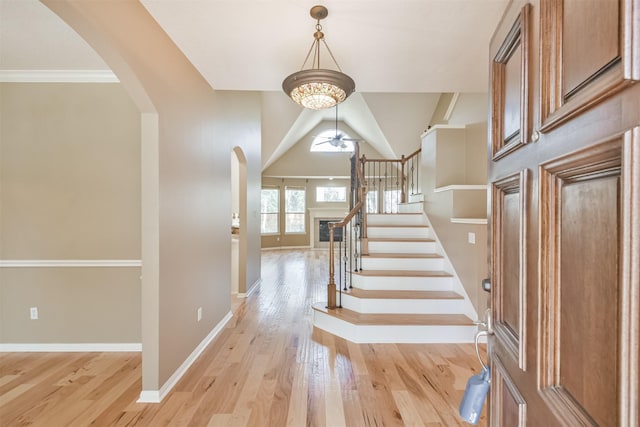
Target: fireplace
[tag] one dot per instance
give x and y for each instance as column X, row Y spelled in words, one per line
column 326, row 215
column 323, row 231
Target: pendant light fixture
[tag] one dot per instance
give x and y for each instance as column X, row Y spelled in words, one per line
column 318, row 88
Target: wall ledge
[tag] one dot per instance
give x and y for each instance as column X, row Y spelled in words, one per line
column 478, row 221
column 460, row 187
column 28, row 263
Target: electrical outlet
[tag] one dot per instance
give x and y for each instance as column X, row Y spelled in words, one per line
column 199, row 314
column 33, row 312
column 472, row 238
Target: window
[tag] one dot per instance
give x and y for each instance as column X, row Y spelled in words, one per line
column 391, row 201
column 294, row 214
column 331, row 194
column 269, row 209
column 372, row 202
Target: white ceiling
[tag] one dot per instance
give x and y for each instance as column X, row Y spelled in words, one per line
column 394, row 48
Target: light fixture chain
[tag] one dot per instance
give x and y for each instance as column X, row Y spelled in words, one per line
column 331, row 54
column 311, row 49
column 316, row 56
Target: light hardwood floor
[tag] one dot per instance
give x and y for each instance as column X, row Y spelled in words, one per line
column 269, row 367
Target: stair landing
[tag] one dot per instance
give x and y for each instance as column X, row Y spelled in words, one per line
column 393, row 327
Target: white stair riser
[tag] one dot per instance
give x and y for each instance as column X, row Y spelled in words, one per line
column 393, row 334
column 420, row 264
column 402, row 247
column 396, row 219
column 401, row 232
column 402, row 283
column 416, row 306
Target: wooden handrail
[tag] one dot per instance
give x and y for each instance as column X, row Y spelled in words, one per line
column 400, row 160
column 415, row 153
column 360, row 181
column 347, row 218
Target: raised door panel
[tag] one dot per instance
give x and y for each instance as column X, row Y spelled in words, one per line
column 511, row 406
column 585, row 318
column 510, row 88
column 589, row 52
column 590, row 41
column 589, row 314
column 508, row 227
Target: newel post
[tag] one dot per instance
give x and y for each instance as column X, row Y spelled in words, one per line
column 331, row 287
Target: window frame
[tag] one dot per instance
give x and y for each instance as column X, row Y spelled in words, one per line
column 276, row 213
column 303, row 212
column 344, row 188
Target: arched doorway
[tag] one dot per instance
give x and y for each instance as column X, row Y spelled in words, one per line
column 239, row 222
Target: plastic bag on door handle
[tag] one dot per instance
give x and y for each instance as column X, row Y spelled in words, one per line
column 474, row 396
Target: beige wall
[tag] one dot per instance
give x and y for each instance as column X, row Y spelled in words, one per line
column 469, row 260
column 470, row 108
column 188, row 134
column 457, row 156
column 195, row 216
column 70, row 190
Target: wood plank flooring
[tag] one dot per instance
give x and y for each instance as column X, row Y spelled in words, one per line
column 269, row 367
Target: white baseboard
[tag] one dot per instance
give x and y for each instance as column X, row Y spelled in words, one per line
column 252, row 289
column 69, row 347
column 156, row 396
column 149, row 396
column 284, row 248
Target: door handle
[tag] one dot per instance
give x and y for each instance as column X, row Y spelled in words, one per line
column 487, row 324
column 486, row 285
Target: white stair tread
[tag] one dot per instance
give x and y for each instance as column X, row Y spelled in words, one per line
column 400, row 239
column 403, row 273
column 394, row 318
column 400, row 255
column 396, row 226
column 402, row 294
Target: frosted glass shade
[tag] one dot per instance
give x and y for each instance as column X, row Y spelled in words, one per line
column 318, row 89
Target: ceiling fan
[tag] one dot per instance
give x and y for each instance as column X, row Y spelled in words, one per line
column 339, row 139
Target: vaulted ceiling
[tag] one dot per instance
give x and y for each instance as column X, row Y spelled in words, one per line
column 402, row 54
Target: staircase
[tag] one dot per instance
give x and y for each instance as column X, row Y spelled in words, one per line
column 405, row 292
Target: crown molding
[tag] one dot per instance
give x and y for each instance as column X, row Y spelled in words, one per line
column 58, row 76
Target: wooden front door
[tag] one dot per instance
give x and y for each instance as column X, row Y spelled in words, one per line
column 564, row 180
